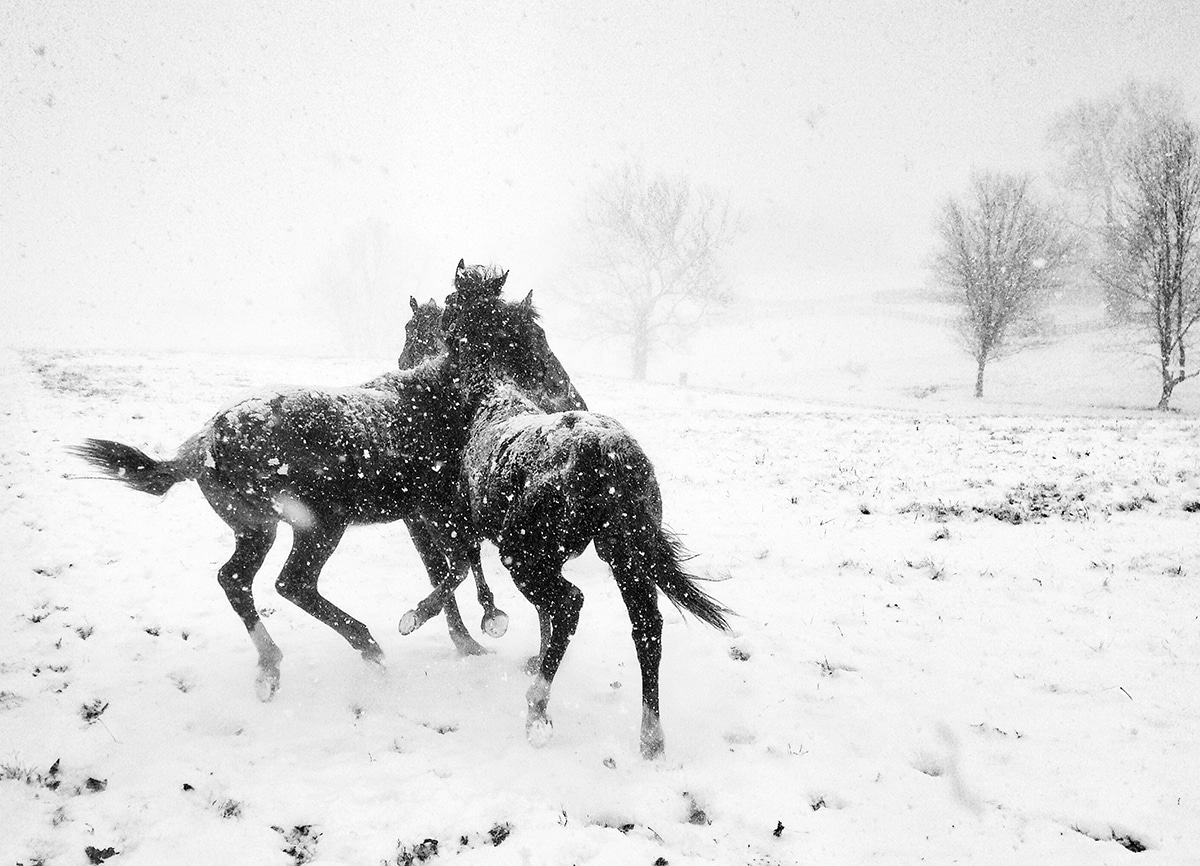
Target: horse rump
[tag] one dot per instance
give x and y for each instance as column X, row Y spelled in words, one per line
column 128, row 465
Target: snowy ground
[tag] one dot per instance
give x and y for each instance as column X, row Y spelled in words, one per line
column 963, row 637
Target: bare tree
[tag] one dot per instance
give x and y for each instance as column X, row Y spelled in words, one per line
column 1001, row 254
column 1153, row 241
column 653, row 262
column 1090, row 141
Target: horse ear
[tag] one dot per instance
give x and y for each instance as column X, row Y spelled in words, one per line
column 500, row 282
column 527, row 304
column 462, row 266
column 412, row 302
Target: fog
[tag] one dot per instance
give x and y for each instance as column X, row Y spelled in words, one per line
column 965, row 628
column 182, row 177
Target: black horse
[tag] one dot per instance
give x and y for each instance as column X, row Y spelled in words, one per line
column 423, row 339
column 544, row 486
column 321, row 460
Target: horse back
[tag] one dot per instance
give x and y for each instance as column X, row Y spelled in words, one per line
column 366, row 454
column 576, row 470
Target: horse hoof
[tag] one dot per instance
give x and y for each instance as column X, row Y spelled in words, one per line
column 375, row 657
column 266, row 685
column 409, row 623
column 495, row 625
column 653, row 748
column 539, row 731
column 653, row 741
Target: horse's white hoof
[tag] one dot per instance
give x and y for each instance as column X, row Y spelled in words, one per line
column 539, row 732
column 653, row 742
column 495, row 625
column 266, row 684
column 409, row 623
column 653, row 746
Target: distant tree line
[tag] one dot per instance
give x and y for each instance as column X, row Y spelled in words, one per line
column 1125, row 223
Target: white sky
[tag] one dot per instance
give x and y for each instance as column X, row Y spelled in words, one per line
column 196, row 161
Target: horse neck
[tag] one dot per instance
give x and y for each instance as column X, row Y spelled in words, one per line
column 560, row 393
column 497, row 401
column 436, row 371
column 508, row 393
column 563, row 401
column 416, row 353
column 552, row 390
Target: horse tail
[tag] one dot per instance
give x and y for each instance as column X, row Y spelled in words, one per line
column 130, row 466
column 643, row 548
column 664, row 558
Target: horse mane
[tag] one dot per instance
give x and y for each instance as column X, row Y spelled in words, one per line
column 492, row 340
column 478, row 281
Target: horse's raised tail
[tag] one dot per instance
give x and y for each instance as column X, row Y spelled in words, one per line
column 130, row 466
column 665, row 559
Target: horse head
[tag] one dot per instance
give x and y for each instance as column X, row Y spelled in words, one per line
column 474, row 287
column 493, row 338
column 423, row 334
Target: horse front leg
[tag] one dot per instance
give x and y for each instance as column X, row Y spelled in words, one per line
column 435, row 566
column 311, row 548
column 236, row 578
column 495, row 621
column 430, row 606
column 534, row 663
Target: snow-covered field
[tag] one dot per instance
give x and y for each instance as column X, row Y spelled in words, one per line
column 962, row 637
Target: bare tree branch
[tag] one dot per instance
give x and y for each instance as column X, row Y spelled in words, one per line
column 1001, row 255
column 653, row 258
column 1090, row 141
column 1153, row 241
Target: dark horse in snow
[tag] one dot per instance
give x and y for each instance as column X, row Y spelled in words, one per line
column 423, row 338
column 321, row 460
column 544, row 486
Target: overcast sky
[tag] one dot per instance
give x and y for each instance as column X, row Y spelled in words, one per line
column 198, row 160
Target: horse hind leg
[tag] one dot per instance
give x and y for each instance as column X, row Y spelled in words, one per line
column 311, row 548
column 236, row 578
column 558, row 602
column 640, row 595
column 641, row 599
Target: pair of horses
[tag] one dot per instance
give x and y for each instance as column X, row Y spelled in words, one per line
column 488, row 439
